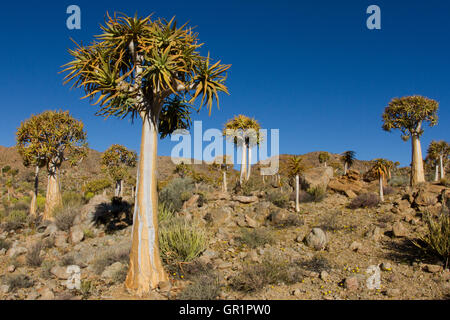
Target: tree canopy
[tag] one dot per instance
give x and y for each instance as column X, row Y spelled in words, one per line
column 116, row 159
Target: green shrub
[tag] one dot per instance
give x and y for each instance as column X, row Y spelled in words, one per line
column 17, row 216
column 46, row 268
column 437, row 239
column 445, row 182
column 399, row 181
column 317, row 193
column 176, row 192
column 278, row 198
column 89, row 195
column 254, row 238
column 181, row 241
column 72, row 199
column 40, row 203
column 96, row 186
column 165, row 212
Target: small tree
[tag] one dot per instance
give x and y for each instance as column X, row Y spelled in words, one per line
column 433, row 158
column 116, row 160
column 380, row 169
column 408, row 114
column 443, row 151
column 295, row 168
column 48, row 139
column 137, row 67
column 348, row 157
column 324, row 157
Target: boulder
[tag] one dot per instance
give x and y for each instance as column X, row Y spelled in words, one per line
column 316, row 239
column 219, row 216
column 399, row 230
column 351, row 283
column 111, row 270
column 317, row 177
column 191, row 202
column 61, row 239
column 76, row 234
column 88, row 210
column 245, row 199
column 60, row 272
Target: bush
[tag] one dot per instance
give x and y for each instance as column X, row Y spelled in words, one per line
column 64, row 218
column 387, row 190
column 33, row 256
column 4, row 244
column 165, row 212
column 255, row 237
column 317, row 264
column 120, row 254
column 437, row 239
column 180, row 240
column 17, row 216
column 18, row 281
column 445, row 182
column 67, row 260
column 203, row 287
column 46, row 268
column 317, row 193
column 96, row 186
column 273, row 269
column 40, row 203
column 72, row 199
column 88, row 196
column 399, row 181
column 176, row 192
column 365, row 200
column 278, row 198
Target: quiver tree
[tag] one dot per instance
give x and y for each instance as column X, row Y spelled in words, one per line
column 380, row 169
column 409, row 114
column 244, row 132
column 10, row 177
column 295, row 168
column 137, row 67
column 47, row 140
column 116, row 160
column 433, row 158
column 443, row 152
column 348, row 157
column 323, row 158
column 223, row 163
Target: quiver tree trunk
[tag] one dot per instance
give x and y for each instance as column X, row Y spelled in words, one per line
column 118, row 192
column 243, row 164
column 345, row 168
column 297, row 186
column 53, row 198
column 249, row 162
column 33, row 204
column 417, row 173
column 381, row 187
column 145, row 270
column 436, row 172
column 224, row 185
column 441, row 164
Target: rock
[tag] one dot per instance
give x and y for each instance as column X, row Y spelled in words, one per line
column 4, row 288
column 74, row 279
column 297, row 292
column 11, row 268
column 2, row 251
column 219, row 216
column 350, row 194
column 253, row 256
column 16, row 251
column 374, row 279
column 60, row 272
column 374, row 234
column 351, row 181
column 399, row 230
column 250, row 222
column 219, row 196
column 245, row 199
column 317, row 177
column 164, row 286
column 386, row 266
column 425, row 198
column 324, row 275
column 51, row 230
column 432, row 268
column 111, row 270
column 191, row 202
column 225, row 265
column 89, row 209
column 46, row 294
column 76, row 234
column 355, row 246
column 32, row 295
column 316, row 239
column 351, row 283
column 61, row 239
column 392, row 292
column 279, row 216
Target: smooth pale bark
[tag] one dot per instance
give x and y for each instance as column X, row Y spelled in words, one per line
column 441, row 164
column 146, row 270
column 417, row 173
column 243, row 164
column 381, row 188
column 33, row 204
column 297, row 184
column 118, row 189
column 345, row 168
column 325, row 163
column 249, row 162
column 224, row 187
column 436, row 172
column 53, row 198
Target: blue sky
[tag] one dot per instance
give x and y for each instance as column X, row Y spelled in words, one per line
column 309, row 68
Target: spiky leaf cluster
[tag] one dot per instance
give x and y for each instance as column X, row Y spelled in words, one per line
column 243, row 128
